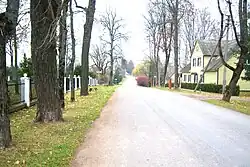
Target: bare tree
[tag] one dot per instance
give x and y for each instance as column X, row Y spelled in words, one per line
column 154, row 30
column 8, row 22
column 113, row 25
column 62, row 50
column 198, row 24
column 242, row 41
column 72, row 61
column 44, row 20
column 90, row 11
column 100, row 58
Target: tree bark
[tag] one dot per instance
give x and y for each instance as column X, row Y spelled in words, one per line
column 111, row 70
column 90, row 11
column 16, row 64
column 176, row 63
column 8, row 22
column 43, row 50
column 5, row 133
column 72, row 97
column 62, row 51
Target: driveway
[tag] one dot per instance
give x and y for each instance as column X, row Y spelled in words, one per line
column 143, row 127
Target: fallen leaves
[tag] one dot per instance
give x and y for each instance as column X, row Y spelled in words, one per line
column 53, row 144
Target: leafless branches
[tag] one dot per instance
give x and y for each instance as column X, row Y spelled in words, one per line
column 100, row 58
column 112, row 37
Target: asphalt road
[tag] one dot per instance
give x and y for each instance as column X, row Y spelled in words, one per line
column 149, row 127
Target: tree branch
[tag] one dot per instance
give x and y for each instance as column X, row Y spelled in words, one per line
column 80, row 7
column 220, row 38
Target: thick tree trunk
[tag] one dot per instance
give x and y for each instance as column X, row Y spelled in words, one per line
column 5, row 133
column 43, row 50
column 62, row 51
column 72, row 97
column 90, row 11
column 235, row 78
column 8, row 21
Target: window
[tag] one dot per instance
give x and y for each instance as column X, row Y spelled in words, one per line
column 199, row 62
column 195, row 78
column 194, row 62
column 202, row 79
column 189, row 78
column 185, row 78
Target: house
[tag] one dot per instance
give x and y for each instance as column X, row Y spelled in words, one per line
column 214, row 75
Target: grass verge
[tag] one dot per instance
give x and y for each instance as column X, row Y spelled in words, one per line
column 52, row 145
column 237, row 105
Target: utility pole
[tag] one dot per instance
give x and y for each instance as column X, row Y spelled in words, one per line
column 225, row 57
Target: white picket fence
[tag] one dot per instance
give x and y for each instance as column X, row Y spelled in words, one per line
column 25, row 87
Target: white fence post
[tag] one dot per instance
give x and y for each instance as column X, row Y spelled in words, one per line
column 25, row 89
column 79, row 81
column 90, row 81
column 65, row 83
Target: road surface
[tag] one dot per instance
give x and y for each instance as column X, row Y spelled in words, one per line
column 143, row 127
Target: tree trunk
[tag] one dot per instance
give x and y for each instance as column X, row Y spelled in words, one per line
column 11, row 60
column 43, row 50
column 16, row 65
column 176, row 63
column 111, row 71
column 234, row 80
column 8, row 21
column 62, row 51
column 72, row 97
column 5, row 133
column 90, row 11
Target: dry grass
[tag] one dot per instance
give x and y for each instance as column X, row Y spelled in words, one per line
column 52, row 145
column 237, row 105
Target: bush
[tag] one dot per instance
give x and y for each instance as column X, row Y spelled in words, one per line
column 209, row 88
column 142, row 81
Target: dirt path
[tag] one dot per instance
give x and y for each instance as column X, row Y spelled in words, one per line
column 86, row 155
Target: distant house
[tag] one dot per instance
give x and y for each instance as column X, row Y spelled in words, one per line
column 214, row 74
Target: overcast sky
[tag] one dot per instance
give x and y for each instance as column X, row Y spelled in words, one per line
column 132, row 11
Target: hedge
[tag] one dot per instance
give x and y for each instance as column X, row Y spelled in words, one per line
column 208, row 88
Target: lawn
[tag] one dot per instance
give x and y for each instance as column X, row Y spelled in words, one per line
column 237, row 105
column 52, row 145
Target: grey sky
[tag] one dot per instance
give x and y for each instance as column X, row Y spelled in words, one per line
column 132, row 11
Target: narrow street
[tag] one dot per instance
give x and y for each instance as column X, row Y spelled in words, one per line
column 149, row 127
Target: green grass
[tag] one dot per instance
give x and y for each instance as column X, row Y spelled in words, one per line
column 52, row 145
column 237, row 105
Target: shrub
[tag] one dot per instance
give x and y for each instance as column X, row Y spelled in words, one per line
column 213, row 88
column 142, row 81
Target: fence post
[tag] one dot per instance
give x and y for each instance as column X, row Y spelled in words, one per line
column 79, row 81
column 65, row 85
column 89, row 81
column 25, row 89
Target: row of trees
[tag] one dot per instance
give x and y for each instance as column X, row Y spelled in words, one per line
column 51, row 38
column 170, row 21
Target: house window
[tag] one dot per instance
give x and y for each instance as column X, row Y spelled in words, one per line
column 194, row 62
column 189, row 78
column 199, row 62
column 202, row 78
column 195, row 78
column 185, row 78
